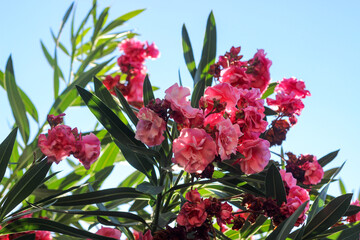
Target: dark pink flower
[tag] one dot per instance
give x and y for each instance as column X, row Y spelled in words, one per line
column 224, row 215
column 55, row 120
column 152, row 51
column 58, row 144
column 236, row 75
column 192, row 215
column 43, row 235
column 87, row 150
column 223, row 92
column 193, row 196
column 313, row 172
column 299, row 192
column 109, row 232
column 289, row 85
column 260, row 74
column 288, row 178
column 227, row 138
column 287, row 209
column 251, row 97
column 111, row 82
column 150, row 127
column 355, row 217
column 256, row 155
column 194, row 149
column 252, row 124
column 287, row 104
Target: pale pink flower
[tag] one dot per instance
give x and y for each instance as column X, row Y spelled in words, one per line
column 289, row 85
column 193, row 150
column 252, row 122
column 150, row 127
column 260, row 76
column 256, row 155
column 109, row 232
column 299, row 192
column 236, row 75
column 177, row 97
column 222, row 92
column 288, row 178
column 87, row 150
column 313, row 172
column 227, row 138
column 58, row 144
column 251, row 97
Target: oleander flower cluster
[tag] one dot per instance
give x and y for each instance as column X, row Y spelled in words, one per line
column 61, row 141
column 131, row 64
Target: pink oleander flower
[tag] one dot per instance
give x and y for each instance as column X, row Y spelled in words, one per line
column 134, row 49
column 150, row 127
column 299, row 192
column 177, row 97
column 111, row 82
column 152, row 51
column 224, row 215
column 252, row 124
column 223, row 92
column 58, row 144
column 313, row 172
column 287, row 104
column 192, row 215
column 43, row 235
column 213, row 119
column 289, row 85
column 251, row 97
column 256, row 155
column 227, row 138
column 355, row 217
column 260, row 75
column 288, row 178
column 109, row 232
column 55, row 120
column 193, row 196
column 287, row 209
column 193, row 150
column 236, row 75
column 87, row 150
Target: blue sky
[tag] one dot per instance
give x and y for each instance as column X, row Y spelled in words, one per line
column 317, row 41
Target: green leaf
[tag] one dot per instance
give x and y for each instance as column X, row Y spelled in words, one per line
column 274, row 185
column 6, row 148
column 133, row 179
column 56, row 77
column 253, row 228
column 353, row 209
column 352, row 233
column 197, row 93
column 319, row 203
column 342, row 187
column 25, row 186
column 269, row 90
column 27, row 237
column 50, row 59
column 68, row 96
column 188, row 52
column 64, row 20
column 101, row 196
column 16, row 103
column 126, row 107
column 148, row 188
column 105, row 96
column 31, row 224
column 120, row 20
column 208, row 53
column 147, row 91
column 328, row 216
column 99, row 24
column 283, row 230
column 328, row 158
column 269, row 112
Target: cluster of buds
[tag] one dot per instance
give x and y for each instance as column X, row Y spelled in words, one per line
column 131, row 63
column 304, row 168
column 62, row 141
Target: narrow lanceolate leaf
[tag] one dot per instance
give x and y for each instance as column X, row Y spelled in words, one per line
column 328, row 216
column 342, row 187
column 148, row 94
column 99, row 24
column 101, row 196
column 148, row 188
column 328, row 158
column 56, row 77
column 68, row 96
column 6, row 148
column 25, row 186
column 269, row 90
column 50, row 59
column 283, row 230
column 319, row 203
column 32, row 224
column 208, row 53
column 188, row 52
column 120, row 20
column 16, row 103
column 64, row 20
column 105, row 96
column 27, row 237
column 197, row 93
column 274, row 185
column 126, row 107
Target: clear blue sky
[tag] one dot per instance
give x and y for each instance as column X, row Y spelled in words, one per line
column 317, row 41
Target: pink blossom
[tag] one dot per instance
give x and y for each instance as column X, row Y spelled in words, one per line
column 147, row 236
column 87, row 150
column 355, row 217
column 194, row 149
column 111, row 82
column 224, row 215
column 133, row 49
column 59, row 143
column 43, row 235
column 150, row 127
column 213, row 119
column 109, row 232
column 252, row 122
column 288, row 178
column 135, row 93
column 313, row 172
column 299, row 192
column 152, row 51
column 256, row 155
column 251, row 97
column 192, row 215
column 227, row 138
column 177, row 97
column 223, row 92
column 289, row 85
column 236, row 76
column 287, row 209
column 193, row 196
column 287, row 104
column 260, row 76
